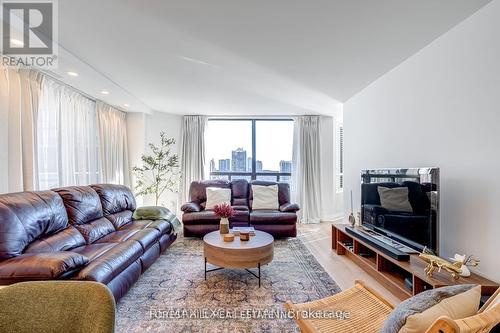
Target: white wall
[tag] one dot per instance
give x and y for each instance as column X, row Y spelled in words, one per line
column 441, row 108
column 144, row 129
column 332, row 201
column 171, row 125
column 136, row 142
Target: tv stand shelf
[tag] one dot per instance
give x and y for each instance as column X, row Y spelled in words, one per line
column 393, row 273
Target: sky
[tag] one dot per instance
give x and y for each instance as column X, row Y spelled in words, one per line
column 274, row 140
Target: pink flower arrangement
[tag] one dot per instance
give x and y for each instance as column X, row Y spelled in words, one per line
column 224, row 211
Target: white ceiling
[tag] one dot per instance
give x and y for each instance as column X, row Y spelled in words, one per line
column 224, row 57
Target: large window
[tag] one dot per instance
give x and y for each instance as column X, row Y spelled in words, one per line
column 250, row 149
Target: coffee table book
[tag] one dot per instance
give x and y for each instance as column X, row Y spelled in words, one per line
column 236, row 230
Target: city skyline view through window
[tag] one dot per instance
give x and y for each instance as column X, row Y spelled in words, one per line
column 230, row 149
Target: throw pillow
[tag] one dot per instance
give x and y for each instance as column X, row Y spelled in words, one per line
column 151, row 213
column 395, row 199
column 217, row 196
column 265, row 197
column 419, row 312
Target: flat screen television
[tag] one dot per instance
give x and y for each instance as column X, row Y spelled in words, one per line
column 402, row 204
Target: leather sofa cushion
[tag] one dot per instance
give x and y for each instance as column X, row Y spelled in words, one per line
column 115, row 198
column 164, row 227
column 203, row 217
column 200, row 230
column 27, row 216
column 239, row 192
column 241, row 215
column 240, row 202
column 96, row 229
column 117, row 236
column 82, row 204
column 123, row 282
column 272, row 217
column 146, row 237
column 136, row 225
column 94, row 251
column 241, row 208
column 104, row 268
column 61, row 241
column 120, row 218
column 40, row 266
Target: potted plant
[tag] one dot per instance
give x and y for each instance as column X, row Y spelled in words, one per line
column 159, row 171
column 225, row 212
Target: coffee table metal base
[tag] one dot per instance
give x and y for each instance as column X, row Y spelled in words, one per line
column 219, row 268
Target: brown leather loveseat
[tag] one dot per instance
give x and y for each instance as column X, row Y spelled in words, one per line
column 78, row 232
column 280, row 223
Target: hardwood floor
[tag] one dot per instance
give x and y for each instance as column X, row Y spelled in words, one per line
column 318, row 239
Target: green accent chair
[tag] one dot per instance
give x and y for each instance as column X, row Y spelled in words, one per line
column 57, row 306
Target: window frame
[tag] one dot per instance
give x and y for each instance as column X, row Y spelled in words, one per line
column 253, row 174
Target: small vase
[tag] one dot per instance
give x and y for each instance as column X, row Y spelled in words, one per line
column 224, row 226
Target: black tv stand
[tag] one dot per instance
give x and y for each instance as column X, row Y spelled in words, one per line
column 384, row 244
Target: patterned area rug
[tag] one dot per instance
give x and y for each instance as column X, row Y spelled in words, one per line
column 172, row 296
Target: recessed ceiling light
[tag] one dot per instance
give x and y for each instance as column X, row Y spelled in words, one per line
column 126, row 105
column 72, row 73
column 16, row 42
column 104, row 92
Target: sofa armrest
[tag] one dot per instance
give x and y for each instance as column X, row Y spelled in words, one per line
column 289, row 208
column 191, row 207
column 40, row 266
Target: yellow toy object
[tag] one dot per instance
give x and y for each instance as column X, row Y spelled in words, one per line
column 466, row 262
column 434, row 262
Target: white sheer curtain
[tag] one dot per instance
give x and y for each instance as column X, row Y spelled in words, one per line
column 19, row 100
column 192, row 152
column 306, row 168
column 67, row 137
column 113, row 150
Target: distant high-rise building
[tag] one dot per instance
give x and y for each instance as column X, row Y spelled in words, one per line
column 239, row 160
column 285, row 166
column 212, row 165
column 258, row 166
column 225, row 165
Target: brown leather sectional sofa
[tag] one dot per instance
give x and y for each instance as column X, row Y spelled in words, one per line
column 81, row 233
column 279, row 223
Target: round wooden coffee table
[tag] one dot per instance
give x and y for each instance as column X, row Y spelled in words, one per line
column 256, row 252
